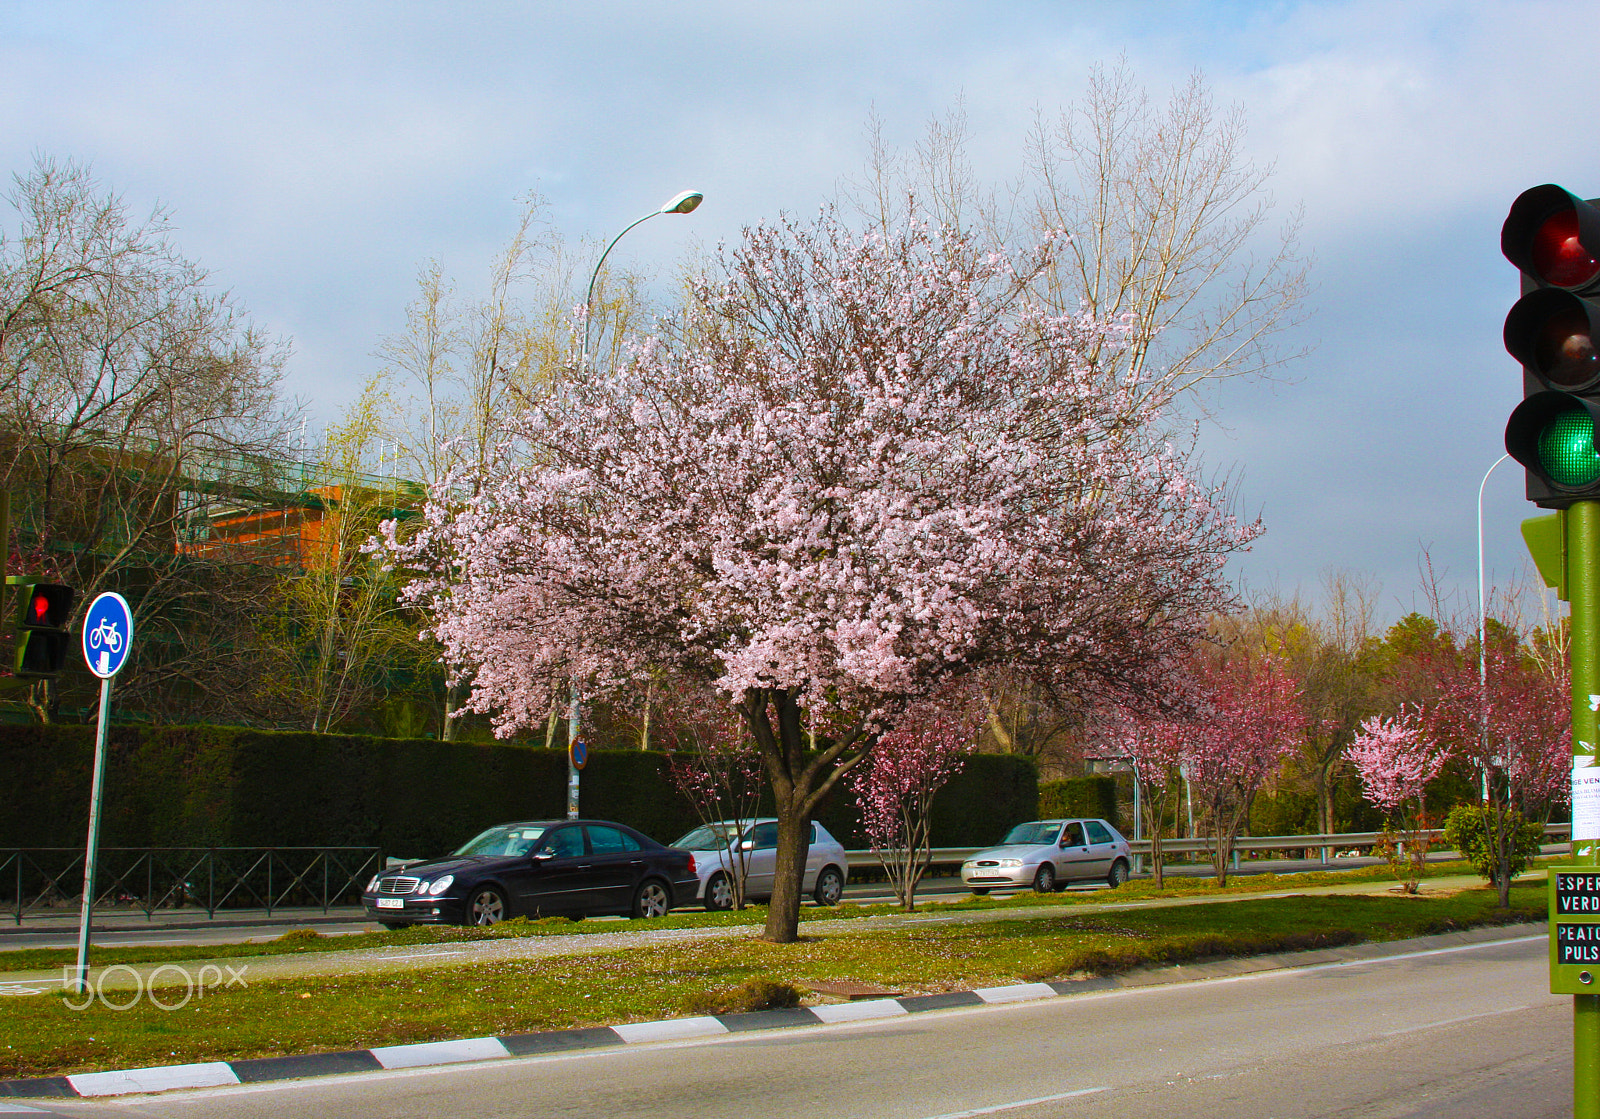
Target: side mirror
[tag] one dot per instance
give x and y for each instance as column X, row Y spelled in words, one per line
column 542, row 854
column 748, row 845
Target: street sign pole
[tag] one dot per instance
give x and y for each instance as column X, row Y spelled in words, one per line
column 81, row 973
column 572, row 769
column 107, row 640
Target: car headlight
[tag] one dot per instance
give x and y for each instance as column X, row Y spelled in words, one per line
column 1011, row 863
column 440, row 885
column 372, row 887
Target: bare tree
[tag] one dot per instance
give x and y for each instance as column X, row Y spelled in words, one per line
column 1168, row 221
column 334, row 636
column 135, row 397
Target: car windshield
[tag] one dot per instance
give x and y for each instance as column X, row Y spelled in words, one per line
column 708, row 837
column 1040, row 831
column 507, row 839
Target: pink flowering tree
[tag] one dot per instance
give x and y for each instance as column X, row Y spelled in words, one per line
column 860, row 466
column 1514, row 729
column 895, row 786
column 1395, row 759
column 713, row 763
column 1250, row 718
column 1153, row 745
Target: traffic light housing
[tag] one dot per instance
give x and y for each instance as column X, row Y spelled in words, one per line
column 43, row 642
column 1553, row 237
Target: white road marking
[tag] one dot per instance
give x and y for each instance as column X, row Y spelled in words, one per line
column 999, row 1107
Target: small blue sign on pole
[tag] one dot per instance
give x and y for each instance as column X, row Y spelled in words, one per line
column 107, row 637
column 107, row 634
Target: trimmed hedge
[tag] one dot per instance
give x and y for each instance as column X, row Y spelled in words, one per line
column 241, row 787
column 1094, row 796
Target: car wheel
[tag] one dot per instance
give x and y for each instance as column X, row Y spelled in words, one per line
column 981, row 891
column 719, row 892
column 830, row 887
column 393, row 926
column 651, row 899
column 486, row 906
column 1118, row 875
column 1045, row 881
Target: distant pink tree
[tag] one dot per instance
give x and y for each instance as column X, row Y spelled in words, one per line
column 861, row 466
column 713, row 763
column 895, row 786
column 1250, row 718
column 1153, row 745
column 1395, row 759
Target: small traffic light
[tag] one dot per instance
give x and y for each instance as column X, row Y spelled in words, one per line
column 1554, row 238
column 42, row 638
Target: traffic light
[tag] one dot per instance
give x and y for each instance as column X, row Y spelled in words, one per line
column 42, row 638
column 1554, row 238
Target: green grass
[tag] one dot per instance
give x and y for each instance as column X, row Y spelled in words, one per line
column 43, row 1036
column 309, row 940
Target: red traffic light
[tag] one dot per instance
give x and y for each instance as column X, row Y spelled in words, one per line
column 1559, row 257
column 1554, row 237
column 47, row 606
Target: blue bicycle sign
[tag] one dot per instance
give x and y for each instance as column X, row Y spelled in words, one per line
column 107, row 634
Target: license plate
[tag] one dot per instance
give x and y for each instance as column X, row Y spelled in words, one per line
column 391, row 903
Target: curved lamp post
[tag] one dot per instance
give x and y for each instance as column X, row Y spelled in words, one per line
column 1483, row 659
column 684, row 202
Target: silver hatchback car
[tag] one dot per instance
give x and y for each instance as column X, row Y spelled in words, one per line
column 1046, row 853
column 728, row 847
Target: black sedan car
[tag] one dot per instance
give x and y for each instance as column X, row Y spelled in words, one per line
column 541, row 868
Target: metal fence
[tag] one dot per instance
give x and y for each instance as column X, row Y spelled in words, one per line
column 1325, row 846
column 39, row 879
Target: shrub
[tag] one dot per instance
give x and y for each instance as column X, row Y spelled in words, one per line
column 758, row 993
column 1080, row 796
column 1469, row 829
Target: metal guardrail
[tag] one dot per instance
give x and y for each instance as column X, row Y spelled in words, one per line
column 946, row 856
column 151, row 878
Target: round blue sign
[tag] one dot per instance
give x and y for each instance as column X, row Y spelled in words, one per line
column 579, row 753
column 107, row 634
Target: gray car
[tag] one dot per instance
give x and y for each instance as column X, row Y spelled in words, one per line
column 1046, row 853
column 726, row 849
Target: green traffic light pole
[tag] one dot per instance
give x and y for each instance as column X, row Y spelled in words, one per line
column 1583, row 591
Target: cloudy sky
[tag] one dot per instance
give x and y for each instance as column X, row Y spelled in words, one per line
column 315, row 155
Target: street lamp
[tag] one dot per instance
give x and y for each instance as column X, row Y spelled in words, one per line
column 1483, row 659
column 684, row 202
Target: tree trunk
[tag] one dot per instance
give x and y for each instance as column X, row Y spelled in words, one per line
column 783, row 913
column 799, row 785
column 649, row 702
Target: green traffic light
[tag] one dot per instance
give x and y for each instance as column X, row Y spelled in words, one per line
column 1567, row 451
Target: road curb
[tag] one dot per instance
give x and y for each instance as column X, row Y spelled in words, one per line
column 211, row 1074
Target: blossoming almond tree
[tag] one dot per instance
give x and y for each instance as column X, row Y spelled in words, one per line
column 896, row 785
column 860, row 465
column 1251, row 720
column 1154, row 745
column 1396, row 758
column 714, row 765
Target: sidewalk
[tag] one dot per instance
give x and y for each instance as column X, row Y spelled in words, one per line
column 53, row 921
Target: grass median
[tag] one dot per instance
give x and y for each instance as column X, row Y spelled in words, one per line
column 44, row 1035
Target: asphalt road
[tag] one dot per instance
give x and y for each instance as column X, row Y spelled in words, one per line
column 1464, row 1031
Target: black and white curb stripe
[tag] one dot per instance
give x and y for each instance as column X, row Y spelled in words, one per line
column 216, row 1074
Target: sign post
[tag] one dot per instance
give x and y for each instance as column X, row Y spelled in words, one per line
column 107, row 637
